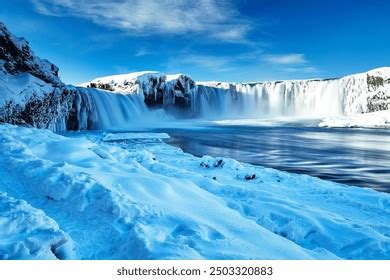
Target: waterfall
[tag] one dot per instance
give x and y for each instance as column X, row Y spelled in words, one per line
column 271, row 99
column 181, row 97
column 98, row 109
column 354, row 94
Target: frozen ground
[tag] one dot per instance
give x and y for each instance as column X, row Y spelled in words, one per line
column 375, row 119
column 131, row 196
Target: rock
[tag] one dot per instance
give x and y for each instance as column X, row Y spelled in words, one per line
column 17, row 57
column 250, row 177
column 31, row 92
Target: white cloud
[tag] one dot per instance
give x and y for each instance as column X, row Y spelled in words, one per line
column 216, row 63
column 142, row 52
column 211, row 18
column 286, row 59
column 210, row 62
column 308, row 69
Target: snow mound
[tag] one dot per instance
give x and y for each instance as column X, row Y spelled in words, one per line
column 375, row 119
column 27, row 233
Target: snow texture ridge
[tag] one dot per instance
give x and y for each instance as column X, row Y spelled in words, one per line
column 27, row 233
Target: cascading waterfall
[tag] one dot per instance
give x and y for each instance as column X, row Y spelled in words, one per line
column 98, row 109
column 181, row 97
column 273, row 99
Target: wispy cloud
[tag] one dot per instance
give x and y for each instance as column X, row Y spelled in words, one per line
column 308, row 69
column 215, row 63
column 291, row 63
column 207, row 62
column 142, row 52
column 211, row 18
column 286, row 59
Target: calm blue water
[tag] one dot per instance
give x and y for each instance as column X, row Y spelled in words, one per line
column 359, row 157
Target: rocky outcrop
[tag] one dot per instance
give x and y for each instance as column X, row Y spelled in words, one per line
column 379, row 87
column 159, row 90
column 17, row 57
column 31, row 93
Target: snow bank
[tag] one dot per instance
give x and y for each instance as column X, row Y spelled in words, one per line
column 148, row 200
column 375, row 119
column 27, row 233
column 134, row 136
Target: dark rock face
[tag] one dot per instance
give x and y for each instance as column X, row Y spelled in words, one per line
column 101, row 86
column 379, row 100
column 47, row 112
column 174, row 96
column 374, row 82
column 49, row 103
column 19, row 58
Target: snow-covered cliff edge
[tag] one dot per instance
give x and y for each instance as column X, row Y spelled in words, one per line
column 30, row 89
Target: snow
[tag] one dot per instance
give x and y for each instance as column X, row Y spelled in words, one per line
column 368, row 120
column 27, row 233
column 21, row 88
column 144, row 199
column 134, row 136
column 124, row 79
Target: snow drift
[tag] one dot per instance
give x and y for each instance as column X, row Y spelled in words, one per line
column 27, row 233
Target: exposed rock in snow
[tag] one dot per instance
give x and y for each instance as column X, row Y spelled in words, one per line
column 27, row 233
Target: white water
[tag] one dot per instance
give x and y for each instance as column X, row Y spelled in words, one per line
column 98, row 109
column 276, row 99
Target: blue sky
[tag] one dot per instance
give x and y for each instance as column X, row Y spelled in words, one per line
column 222, row 40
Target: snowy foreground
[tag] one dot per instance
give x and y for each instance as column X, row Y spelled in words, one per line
column 131, row 196
column 368, row 120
